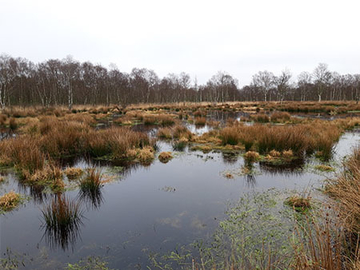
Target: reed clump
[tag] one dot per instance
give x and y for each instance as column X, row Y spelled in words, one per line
column 73, row 173
column 9, row 201
column 92, row 180
column 251, row 156
column 62, row 218
column 146, row 155
column 165, row 157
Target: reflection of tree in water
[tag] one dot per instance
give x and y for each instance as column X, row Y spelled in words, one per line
column 62, row 222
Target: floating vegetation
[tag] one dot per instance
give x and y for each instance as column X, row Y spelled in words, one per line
column 90, row 263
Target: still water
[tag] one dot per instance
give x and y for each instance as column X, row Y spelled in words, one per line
column 145, row 209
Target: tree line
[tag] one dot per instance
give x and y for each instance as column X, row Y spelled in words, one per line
column 68, row 82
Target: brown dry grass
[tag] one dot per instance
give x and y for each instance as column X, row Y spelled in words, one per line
column 9, row 201
column 165, row 157
column 346, row 190
column 309, row 138
column 73, row 173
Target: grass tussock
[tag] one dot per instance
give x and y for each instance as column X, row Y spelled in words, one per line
column 62, row 219
column 146, row 155
column 92, row 180
column 278, row 117
column 9, row 201
column 73, row 173
column 251, row 156
column 261, row 118
column 165, row 157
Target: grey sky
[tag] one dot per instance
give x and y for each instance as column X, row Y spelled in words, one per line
column 198, row 37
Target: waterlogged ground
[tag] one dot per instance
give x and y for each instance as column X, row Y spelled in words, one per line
column 151, row 209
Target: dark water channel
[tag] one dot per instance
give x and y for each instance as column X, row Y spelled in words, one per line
column 148, row 209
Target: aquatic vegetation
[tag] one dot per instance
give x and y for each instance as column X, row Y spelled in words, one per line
column 324, row 168
column 251, row 156
column 261, row 118
column 299, row 203
column 164, row 133
column 90, row 263
column 280, row 117
column 62, row 219
column 92, row 180
column 146, row 155
column 73, row 173
column 274, row 153
column 287, row 154
column 9, row 201
column 165, row 157
column 200, row 121
column 179, row 145
column 90, row 187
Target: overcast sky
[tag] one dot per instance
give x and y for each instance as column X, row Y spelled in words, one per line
column 198, row 37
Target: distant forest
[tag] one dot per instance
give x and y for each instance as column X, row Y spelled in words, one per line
column 67, row 82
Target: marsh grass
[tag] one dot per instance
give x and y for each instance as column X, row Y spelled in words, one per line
column 345, row 188
column 298, row 202
column 200, row 121
column 92, row 180
column 90, row 187
column 165, row 157
column 62, row 220
column 280, row 117
column 73, row 173
column 9, row 201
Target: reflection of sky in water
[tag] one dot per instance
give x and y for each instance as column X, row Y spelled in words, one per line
column 153, row 208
